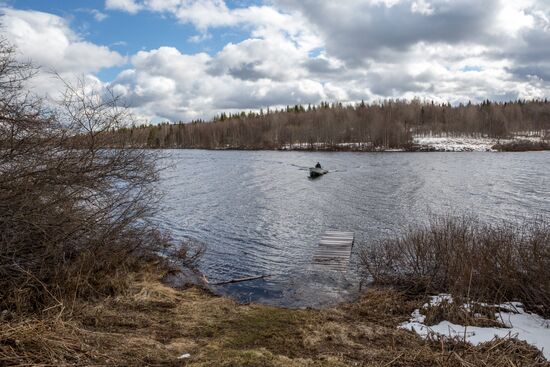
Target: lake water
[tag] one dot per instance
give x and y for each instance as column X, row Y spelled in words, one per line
column 259, row 214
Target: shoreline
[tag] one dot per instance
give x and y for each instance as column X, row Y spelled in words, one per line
column 421, row 145
column 424, row 150
column 155, row 324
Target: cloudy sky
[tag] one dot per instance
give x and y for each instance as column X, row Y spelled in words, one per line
column 187, row 59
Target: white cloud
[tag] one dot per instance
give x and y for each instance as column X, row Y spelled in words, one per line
column 99, row 16
column 201, row 37
column 169, row 84
column 422, row 7
column 315, row 50
column 309, row 51
column 129, row 6
column 48, row 41
column 275, row 59
column 205, row 14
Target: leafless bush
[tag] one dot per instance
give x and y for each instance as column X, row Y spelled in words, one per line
column 73, row 216
column 494, row 263
column 186, row 254
column 522, row 146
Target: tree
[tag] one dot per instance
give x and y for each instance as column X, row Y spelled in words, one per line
column 72, row 213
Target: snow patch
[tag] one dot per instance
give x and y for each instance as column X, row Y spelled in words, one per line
column 466, row 144
column 522, row 325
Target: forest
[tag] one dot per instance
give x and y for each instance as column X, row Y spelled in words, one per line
column 389, row 124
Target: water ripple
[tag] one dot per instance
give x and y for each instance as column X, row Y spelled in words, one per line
column 259, row 214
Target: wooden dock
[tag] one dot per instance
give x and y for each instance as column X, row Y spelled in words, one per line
column 334, row 251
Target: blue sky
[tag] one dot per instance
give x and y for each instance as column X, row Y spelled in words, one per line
column 130, row 33
column 186, row 59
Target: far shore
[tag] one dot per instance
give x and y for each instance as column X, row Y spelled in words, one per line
column 426, row 144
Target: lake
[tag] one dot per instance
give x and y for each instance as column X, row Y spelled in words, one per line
column 259, row 214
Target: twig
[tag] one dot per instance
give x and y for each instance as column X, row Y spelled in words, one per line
column 393, row 360
column 241, row 280
column 462, row 361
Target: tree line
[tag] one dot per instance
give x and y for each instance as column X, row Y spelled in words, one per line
column 363, row 126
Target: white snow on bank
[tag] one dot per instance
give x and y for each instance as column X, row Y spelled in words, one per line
column 466, row 144
column 318, row 145
column 435, row 143
column 522, row 325
column 457, row 144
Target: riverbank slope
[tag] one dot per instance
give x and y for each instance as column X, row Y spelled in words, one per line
column 153, row 324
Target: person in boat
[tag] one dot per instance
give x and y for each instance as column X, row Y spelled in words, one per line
column 318, row 165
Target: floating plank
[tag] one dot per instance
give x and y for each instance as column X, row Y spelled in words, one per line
column 334, row 250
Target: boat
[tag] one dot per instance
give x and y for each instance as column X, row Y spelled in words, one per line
column 316, row 172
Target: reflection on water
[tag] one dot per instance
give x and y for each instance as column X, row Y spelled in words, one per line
column 259, row 214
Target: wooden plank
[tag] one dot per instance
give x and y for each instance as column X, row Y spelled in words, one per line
column 330, row 260
column 329, row 252
column 337, row 248
column 347, row 238
column 327, row 265
column 334, row 244
column 333, row 253
column 331, row 256
column 334, row 250
column 337, row 240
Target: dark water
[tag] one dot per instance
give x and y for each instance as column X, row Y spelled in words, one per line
column 259, row 214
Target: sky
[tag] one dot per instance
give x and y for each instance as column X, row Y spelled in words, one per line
column 180, row 60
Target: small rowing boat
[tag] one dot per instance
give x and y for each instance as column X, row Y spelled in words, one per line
column 316, row 172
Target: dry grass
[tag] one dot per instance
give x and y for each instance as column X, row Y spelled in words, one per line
column 153, row 324
column 475, row 315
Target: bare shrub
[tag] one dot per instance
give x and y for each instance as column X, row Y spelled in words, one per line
column 73, row 216
column 522, row 146
column 470, row 260
column 186, row 254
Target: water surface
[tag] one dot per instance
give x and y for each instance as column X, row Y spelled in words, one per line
column 259, row 214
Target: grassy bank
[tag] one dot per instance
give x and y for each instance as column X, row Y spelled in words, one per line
column 153, row 324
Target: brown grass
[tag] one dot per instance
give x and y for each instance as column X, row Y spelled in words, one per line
column 153, row 324
column 476, row 315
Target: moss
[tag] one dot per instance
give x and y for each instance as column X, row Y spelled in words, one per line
column 277, row 330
